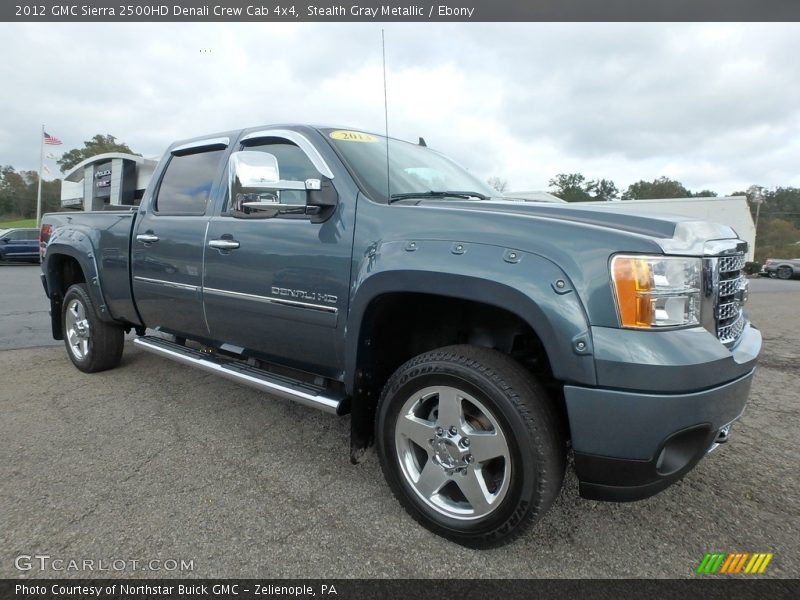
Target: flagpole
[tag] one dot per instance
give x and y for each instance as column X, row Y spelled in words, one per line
column 41, row 169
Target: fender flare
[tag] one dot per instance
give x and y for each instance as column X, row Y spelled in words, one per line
column 78, row 246
column 557, row 339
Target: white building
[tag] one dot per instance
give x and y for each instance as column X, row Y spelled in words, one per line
column 114, row 179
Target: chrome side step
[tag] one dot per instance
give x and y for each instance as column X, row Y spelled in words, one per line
column 282, row 387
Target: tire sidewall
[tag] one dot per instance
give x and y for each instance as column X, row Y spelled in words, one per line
column 77, row 292
column 520, row 496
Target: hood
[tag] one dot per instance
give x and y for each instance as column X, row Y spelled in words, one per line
column 674, row 234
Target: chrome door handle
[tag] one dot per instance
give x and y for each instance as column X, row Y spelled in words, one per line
column 147, row 238
column 223, row 244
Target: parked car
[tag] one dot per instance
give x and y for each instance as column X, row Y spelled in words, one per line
column 19, row 244
column 476, row 340
column 782, row 268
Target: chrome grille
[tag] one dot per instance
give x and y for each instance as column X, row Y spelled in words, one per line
column 729, row 334
column 729, row 286
column 729, row 264
column 728, row 311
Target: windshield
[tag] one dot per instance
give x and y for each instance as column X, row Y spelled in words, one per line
column 413, row 169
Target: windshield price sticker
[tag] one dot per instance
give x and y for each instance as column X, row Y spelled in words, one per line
column 352, row 136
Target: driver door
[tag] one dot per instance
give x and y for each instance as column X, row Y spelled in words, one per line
column 279, row 288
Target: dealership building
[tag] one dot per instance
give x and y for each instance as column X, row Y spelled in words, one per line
column 114, row 180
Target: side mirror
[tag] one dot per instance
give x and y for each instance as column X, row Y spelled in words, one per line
column 254, row 187
column 255, row 190
column 5, row 240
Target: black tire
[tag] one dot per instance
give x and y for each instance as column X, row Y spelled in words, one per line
column 92, row 345
column 784, row 272
column 494, row 388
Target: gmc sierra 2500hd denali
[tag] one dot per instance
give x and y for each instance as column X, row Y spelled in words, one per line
column 473, row 339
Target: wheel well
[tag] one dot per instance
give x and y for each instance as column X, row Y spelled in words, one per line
column 63, row 272
column 398, row 326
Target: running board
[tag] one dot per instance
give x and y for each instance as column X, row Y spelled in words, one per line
column 277, row 385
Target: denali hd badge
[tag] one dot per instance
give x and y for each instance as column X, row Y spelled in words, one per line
column 304, row 295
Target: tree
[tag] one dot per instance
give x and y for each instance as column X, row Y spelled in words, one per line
column 603, row 189
column 14, row 199
column 663, row 187
column 782, row 203
column 705, row 194
column 99, row 144
column 570, row 187
column 776, row 238
column 498, row 183
column 18, row 193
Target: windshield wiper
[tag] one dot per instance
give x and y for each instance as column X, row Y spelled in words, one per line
column 433, row 194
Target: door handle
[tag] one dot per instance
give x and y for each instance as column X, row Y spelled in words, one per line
column 147, row 238
column 223, row 244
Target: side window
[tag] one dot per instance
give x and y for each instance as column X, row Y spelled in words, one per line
column 186, row 184
column 293, row 164
column 31, row 234
column 16, row 236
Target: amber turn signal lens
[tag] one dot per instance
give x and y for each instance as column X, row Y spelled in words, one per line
column 633, row 283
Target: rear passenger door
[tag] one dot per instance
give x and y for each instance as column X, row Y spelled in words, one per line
column 168, row 244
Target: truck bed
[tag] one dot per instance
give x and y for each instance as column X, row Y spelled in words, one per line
column 106, row 238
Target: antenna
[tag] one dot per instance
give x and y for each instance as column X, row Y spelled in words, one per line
column 386, row 116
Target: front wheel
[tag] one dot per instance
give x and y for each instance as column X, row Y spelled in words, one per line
column 92, row 345
column 784, row 272
column 470, row 444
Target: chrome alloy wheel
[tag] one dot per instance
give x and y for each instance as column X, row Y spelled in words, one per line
column 77, row 329
column 453, row 452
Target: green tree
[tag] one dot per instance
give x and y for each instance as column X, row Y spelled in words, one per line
column 705, row 194
column 782, row 203
column 663, row 187
column 776, row 238
column 603, row 189
column 14, row 193
column 570, row 187
column 99, row 144
column 18, row 193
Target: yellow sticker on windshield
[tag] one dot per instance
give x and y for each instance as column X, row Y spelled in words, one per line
column 352, row 136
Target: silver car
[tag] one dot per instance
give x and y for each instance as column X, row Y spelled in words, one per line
column 782, row 268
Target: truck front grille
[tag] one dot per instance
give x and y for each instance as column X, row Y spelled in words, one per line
column 730, row 286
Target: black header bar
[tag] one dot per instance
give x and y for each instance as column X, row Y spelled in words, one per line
column 398, row 10
column 382, row 589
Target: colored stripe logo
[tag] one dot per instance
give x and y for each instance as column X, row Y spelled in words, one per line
column 734, row 563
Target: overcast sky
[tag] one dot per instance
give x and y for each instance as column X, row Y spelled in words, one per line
column 715, row 106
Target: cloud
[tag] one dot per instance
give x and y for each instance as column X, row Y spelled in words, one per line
column 714, row 105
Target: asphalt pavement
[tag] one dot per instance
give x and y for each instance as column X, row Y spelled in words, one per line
column 157, row 461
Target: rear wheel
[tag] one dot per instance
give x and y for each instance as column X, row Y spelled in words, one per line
column 92, row 345
column 784, row 272
column 470, row 444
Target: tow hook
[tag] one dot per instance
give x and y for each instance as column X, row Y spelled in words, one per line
column 723, row 435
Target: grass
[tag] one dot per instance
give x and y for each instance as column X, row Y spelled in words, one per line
column 18, row 223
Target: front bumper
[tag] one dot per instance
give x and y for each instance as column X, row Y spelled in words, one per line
column 632, row 443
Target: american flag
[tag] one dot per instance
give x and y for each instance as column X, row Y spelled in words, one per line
column 51, row 140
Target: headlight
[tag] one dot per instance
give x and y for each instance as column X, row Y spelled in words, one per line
column 657, row 291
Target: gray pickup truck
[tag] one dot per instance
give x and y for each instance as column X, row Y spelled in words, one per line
column 474, row 340
column 782, row 268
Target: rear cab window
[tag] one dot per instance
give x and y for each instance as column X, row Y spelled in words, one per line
column 185, row 187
